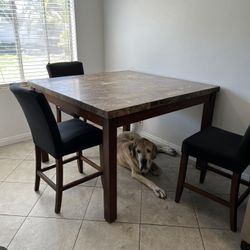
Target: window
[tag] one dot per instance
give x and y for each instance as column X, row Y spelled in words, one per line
column 33, row 33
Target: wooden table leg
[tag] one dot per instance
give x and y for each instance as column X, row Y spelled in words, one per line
column 110, row 171
column 207, row 118
column 208, row 110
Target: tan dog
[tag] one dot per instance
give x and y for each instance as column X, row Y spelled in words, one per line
column 137, row 154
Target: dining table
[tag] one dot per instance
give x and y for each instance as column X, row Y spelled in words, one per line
column 115, row 99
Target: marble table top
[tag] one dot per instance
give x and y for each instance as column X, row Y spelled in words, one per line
column 115, row 94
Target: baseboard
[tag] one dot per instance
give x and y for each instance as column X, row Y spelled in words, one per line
column 15, row 138
column 161, row 142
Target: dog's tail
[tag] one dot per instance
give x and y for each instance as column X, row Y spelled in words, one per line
column 167, row 150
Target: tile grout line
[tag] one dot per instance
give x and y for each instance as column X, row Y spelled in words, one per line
column 57, row 218
column 4, row 181
column 147, row 224
column 13, row 215
column 26, row 217
column 27, row 182
column 12, row 158
column 16, row 232
column 121, row 222
column 18, row 165
column 139, row 245
column 93, row 188
column 40, row 197
column 196, row 216
column 215, row 228
column 21, row 161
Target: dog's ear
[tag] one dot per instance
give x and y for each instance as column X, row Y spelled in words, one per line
column 132, row 147
column 154, row 151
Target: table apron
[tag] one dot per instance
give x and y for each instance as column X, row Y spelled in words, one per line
column 133, row 117
column 73, row 109
column 164, row 109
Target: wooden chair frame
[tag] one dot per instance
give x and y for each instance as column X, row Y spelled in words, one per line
column 58, row 186
column 234, row 202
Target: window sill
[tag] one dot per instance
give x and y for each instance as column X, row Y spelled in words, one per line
column 7, row 85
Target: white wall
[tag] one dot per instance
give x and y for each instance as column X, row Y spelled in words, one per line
column 89, row 28
column 200, row 40
column 13, row 126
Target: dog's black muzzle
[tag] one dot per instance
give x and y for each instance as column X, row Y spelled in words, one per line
column 143, row 164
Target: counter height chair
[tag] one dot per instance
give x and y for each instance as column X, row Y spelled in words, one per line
column 64, row 69
column 227, row 150
column 57, row 139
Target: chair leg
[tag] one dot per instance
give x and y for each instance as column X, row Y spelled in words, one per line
column 181, row 177
column 59, row 185
column 126, row 127
column 38, row 167
column 234, row 200
column 45, row 156
column 101, row 162
column 203, row 166
column 79, row 162
column 58, row 114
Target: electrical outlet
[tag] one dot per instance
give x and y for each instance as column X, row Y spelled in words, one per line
column 140, row 123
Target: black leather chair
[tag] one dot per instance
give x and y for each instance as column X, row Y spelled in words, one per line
column 64, row 69
column 227, row 150
column 56, row 139
column 243, row 246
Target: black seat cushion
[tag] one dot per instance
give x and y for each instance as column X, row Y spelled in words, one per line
column 216, row 146
column 78, row 135
column 56, row 139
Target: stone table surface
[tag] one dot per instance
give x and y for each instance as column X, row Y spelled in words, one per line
column 115, row 94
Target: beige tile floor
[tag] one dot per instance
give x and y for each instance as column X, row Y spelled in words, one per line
column 27, row 220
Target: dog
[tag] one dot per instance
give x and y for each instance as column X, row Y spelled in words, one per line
column 137, row 154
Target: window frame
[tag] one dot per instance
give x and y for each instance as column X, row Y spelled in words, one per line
column 72, row 41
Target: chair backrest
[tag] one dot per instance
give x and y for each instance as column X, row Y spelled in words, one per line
column 245, row 146
column 65, row 69
column 40, row 118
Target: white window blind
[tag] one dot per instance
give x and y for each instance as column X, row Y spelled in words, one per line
column 33, row 33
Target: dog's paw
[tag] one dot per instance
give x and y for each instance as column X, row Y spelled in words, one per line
column 160, row 193
column 172, row 152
